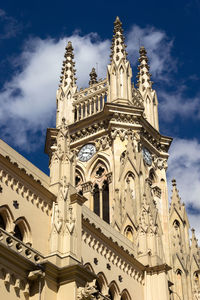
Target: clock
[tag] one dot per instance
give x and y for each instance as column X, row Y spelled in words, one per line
column 86, row 152
column 147, row 156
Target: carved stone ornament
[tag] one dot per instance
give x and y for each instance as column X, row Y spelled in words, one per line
column 64, row 188
column 70, row 222
column 160, row 163
column 57, row 220
column 88, row 292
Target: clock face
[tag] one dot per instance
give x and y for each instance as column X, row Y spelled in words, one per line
column 147, row 156
column 86, row 152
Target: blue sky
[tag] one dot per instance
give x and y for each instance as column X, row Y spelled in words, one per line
column 33, row 35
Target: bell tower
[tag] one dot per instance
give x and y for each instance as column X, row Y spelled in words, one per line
column 119, row 71
column 119, row 156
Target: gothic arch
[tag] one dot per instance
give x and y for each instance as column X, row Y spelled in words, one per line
column 81, row 171
column 113, row 290
column 125, row 295
column 7, row 216
column 89, row 267
column 128, row 232
column 152, row 175
column 97, row 158
column 22, row 230
column 103, row 283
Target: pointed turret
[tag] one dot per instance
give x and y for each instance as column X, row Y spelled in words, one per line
column 176, row 200
column 93, row 77
column 149, row 241
column 194, row 244
column 67, row 88
column 119, row 71
column 144, row 85
column 118, row 48
column 144, row 77
column 68, row 71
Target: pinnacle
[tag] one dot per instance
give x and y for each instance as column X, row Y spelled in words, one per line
column 144, row 77
column 68, row 71
column 176, row 200
column 118, row 47
column 174, row 182
column 93, row 77
column 117, row 22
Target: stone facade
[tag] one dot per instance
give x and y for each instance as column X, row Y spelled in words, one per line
column 100, row 226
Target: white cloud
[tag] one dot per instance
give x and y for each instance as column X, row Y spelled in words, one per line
column 184, row 166
column 28, row 100
column 10, row 27
column 177, row 103
column 158, row 48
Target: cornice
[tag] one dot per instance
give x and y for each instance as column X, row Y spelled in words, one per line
column 111, row 248
column 21, row 173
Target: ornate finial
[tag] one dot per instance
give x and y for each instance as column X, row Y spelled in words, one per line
column 93, row 77
column 144, row 77
column 118, row 46
column 194, row 244
column 176, row 200
column 68, row 70
column 174, row 182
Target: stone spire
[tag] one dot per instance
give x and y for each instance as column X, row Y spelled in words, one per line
column 118, row 48
column 194, row 244
column 149, row 242
column 176, row 200
column 68, row 71
column 119, row 70
column 93, row 77
column 67, row 88
column 144, row 77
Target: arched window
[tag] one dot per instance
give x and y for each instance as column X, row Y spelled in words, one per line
column 2, row 223
column 17, row 233
column 113, row 291
column 111, row 294
column 125, row 295
column 105, row 194
column 98, row 286
column 152, row 176
column 179, row 283
column 75, row 114
column 96, row 198
column 6, row 218
column 176, row 224
column 22, row 231
column 129, row 233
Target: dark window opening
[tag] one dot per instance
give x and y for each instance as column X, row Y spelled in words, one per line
column 2, row 223
column 75, row 115
column 105, row 191
column 111, row 296
column 97, row 108
column 96, row 196
column 77, row 180
column 100, row 171
column 83, row 110
column 98, row 287
column 92, row 110
column 18, row 233
column 101, row 103
column 88, row 108
column 79, row 112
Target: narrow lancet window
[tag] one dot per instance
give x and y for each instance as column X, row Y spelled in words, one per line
column 2, row 223
column 18, row 233
column 96, row 197
column 105, row 191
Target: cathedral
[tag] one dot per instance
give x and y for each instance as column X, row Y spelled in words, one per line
column 100, row 226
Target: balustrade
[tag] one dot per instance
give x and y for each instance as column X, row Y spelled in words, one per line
column 89, row 106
